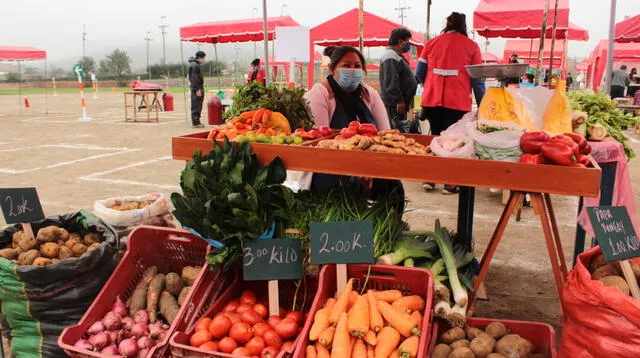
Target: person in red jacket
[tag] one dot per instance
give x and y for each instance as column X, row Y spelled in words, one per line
column 257, row 74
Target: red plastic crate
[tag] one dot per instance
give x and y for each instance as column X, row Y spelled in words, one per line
column 168, row 249
column 542, row 335
column 180, row 340
column 410, row 281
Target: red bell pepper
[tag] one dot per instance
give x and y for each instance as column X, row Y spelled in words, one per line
column 580, row 141
column 583, row 159
column 559, row 152
column 367, row 128
column 528, row 158
column 347, row 133
column 325, row 131
column 531, row 142
column 586, row 150
column 354, row 125
column 569, row 141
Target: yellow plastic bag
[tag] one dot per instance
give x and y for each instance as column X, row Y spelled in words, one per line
column 557, row 116
column 499, row 105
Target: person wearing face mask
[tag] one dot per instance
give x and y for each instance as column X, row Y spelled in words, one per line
column 341, row 98
column 398, row 84
column 196, row 82
column 257, row 74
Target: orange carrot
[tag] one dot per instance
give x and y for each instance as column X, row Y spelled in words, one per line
column 359, row 349
column 311, row 352
column 409, row 348
column 358, row 321
column 394, row 354
column 398, row 320
column 341, row 342
column 375, row 319
column 353, row 296
column 329, row 305
column 320, row 323
column 321, row 351
column 370, row 338
column 212, row 134
column 341, row 303
column 326, row 337
column 248, row 115
column 370, row 352
column 409, row 303
column 388, row 340
column 388, row 296
column 417, row 319
column 258, row 116
column 265, row 117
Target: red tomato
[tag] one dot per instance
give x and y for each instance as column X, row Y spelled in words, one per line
column 199, row 338
column 286, row 345
column 287, row 328
column 282, row 312
column 234, row 317
column 296, row 316
column 255, row 345
column 273, row 321
column 210, row 346
column 241, row 351
column 262, row 310
column 227, row 345
column 240, row 332
column 219, row 326
column 243, row 307
column 270, row 352
column 248, row 297
column 259, row 329
column 271, row 338
column 231, row 306
column 203, row 324
column 251, row 317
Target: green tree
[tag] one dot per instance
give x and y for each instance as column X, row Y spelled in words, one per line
column 88, row 65
column 13, row 77
column 116, row 65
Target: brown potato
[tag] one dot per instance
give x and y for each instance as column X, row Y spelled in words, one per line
column 597, row 262
column 617, row 282
column 42, row 261
column 78, row 250
column 441, row 351
column 472, row 332
column 496, row 355
column 482, row 345
column 71, row 243
column 65, row 253
column 52, row 234
column 514, row 346
column 55, row 261
column 174, row 283
column 75, row 236
column 49, row 250
column 27, row 243
column 603, row 271
column 91, row 238
column 462, row 352
column 452, row 335
column 9, row 253
column 496, row 329
column 459, row 343
column 93, row 246
column 27, row 257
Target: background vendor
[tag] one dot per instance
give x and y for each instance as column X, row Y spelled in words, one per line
column 257, row 74
column 342, row 97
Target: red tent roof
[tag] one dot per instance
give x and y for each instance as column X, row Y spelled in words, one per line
column 628, row 30
column 528, row 49
column 243, row 30
column 513, row 19
column 583, row 65
column 343, row 30
column 489, row 57
column 577, row 33
column 627, row 53
column 21, row 53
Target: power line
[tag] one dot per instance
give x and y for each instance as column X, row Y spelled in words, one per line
column 148, row 39
column 163, row 31
column 402, row 9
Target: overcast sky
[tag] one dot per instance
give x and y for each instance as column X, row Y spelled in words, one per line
column 56, row 26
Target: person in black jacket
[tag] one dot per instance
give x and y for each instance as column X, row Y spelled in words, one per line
column 197, row 88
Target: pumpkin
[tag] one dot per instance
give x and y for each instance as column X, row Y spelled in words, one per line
column 280, row 123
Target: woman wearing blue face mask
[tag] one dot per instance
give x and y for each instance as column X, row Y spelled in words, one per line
column 342, row 98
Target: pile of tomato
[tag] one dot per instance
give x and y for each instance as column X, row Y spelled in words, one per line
column 245, row 328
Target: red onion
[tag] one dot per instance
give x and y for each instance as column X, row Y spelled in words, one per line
column 100, row 340
column 128, row 347
column 110, row 350
column 95, row 328
column 119, row 307
column 111, row 321
column 155, row 329
column 141, row 316
column 143, row 353
column 127, row 323
column 145, row 342
column 139, row 329
column 83, row 344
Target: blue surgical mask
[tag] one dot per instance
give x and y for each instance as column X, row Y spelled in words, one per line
column 349, row 78
column 406, row 47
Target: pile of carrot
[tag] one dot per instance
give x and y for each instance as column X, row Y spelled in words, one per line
column 259, row 121
column 376, row 324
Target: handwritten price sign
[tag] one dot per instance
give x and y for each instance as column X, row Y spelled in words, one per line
column 614, row 231
column 20, row 205
column 272, row 259
column 345, row 242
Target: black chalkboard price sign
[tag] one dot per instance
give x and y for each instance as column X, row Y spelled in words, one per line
column 614, row 232
column 272, row 259
column 20, row 205
column 346, row 242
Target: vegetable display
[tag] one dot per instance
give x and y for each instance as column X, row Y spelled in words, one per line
column 568, row 149
column 52, row 244
column 376, row 323
column 243, row 328
column 603, row 117
column 368, row 139
column 259, row 122
column 610, row 273
column 130, row 205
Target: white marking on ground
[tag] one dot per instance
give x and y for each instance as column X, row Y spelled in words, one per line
column 96, row 176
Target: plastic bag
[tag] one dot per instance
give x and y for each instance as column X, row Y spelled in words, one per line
column 503, row 145
column 600, row 321
column 535, row 102
column 158, row 207
column 454, row 142
column 557, row 116
column 297, row 180
column 498, row 104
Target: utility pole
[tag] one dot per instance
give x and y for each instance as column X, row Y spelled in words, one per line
column 84, row 41
column 148, row 39
column 163, row 31
column 284, row 11
column 402, row 9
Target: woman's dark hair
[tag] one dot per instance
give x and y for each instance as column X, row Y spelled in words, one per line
column 336, row 53
column 399, row 34
column 634, row 70
column 200, row 54
column 255, row 62
column 456, row 22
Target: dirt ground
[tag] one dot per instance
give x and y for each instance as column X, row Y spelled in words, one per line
column 74, row 163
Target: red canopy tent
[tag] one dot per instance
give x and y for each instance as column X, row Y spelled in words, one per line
column 628, row 30
column 577, row 33
column 243, row 30
column 523, row 49
column 624, row 53
column 24, row 53
column 490, row 57
column 343, row 30
column 583, row 66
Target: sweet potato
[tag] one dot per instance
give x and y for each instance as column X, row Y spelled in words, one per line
column 93, row 246
column 9, row 253
column 92, row 238
column 168, row 306
column 189, row 274
column 139, row 295
column 27, row 257
column 72, row 242
column 183, row 295
column 153, row 295
column 42, row 261
column 174, row 283
column 49, row 250
column 65, row 253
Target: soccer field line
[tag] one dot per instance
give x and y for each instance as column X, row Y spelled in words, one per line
column 96, row 177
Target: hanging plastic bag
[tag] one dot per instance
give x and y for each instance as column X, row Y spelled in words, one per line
column 454, row 142
column 499, row 105
column 535, row 101
column 496, row 140
column 557, row 116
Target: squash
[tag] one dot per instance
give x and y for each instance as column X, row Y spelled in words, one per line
column 280, row 123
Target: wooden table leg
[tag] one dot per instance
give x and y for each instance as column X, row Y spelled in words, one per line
column 556, row 234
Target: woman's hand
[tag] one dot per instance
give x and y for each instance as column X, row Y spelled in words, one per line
column 401, row 108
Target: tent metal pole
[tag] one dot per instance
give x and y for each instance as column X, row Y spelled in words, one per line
column 19, row 87
column 215, row 51
column 531, row 51
column 428, row 19
column 184, row 82
column 265, row 33
column 44, row 83
column 612, row 24
column 553, row 36
column 542, row 38
column 361, row 26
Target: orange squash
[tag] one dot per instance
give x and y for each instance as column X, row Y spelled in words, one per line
column 280, row 123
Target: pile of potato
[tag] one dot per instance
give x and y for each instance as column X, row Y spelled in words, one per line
column 610, row 273
column 130, row 205
column 51, row 244
column 494, row 342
